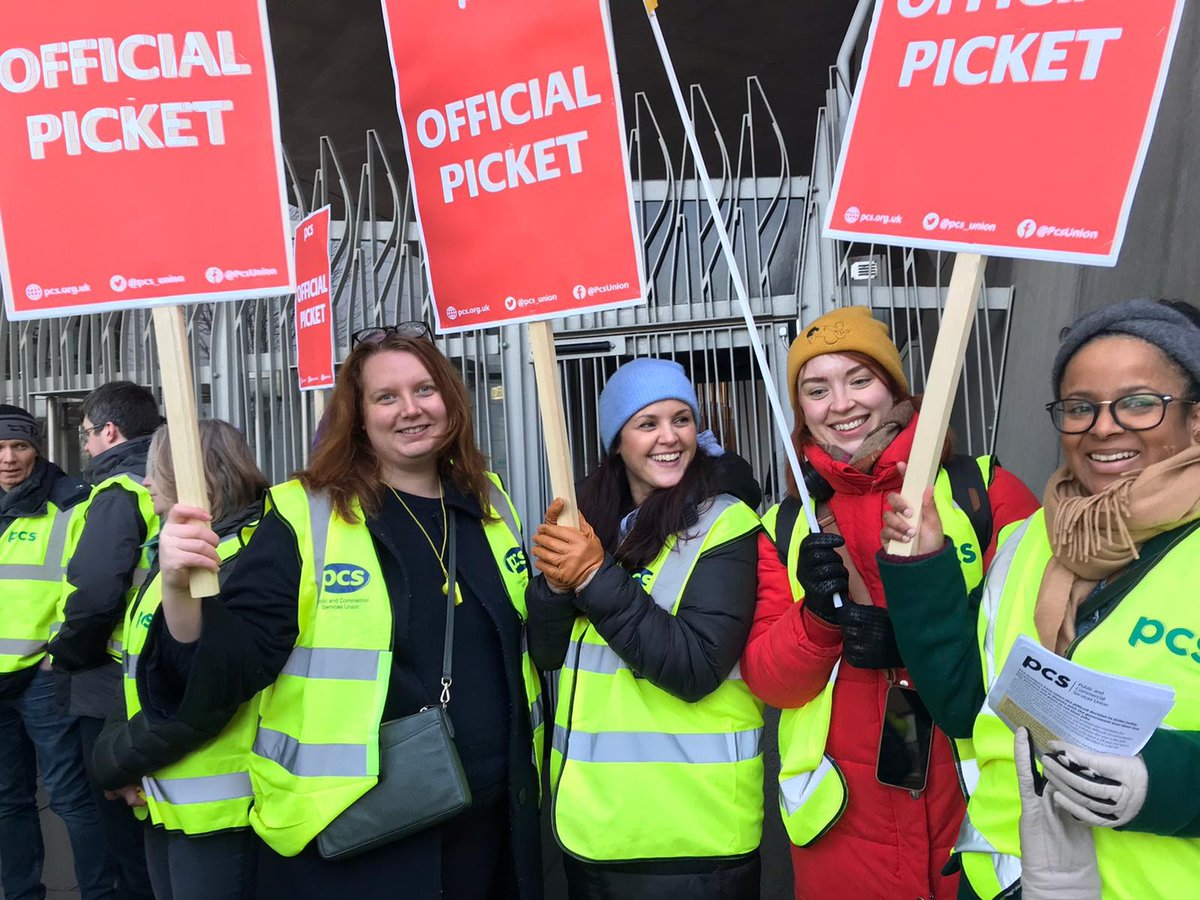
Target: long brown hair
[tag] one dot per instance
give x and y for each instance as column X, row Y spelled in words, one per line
column 801, row 435
column 231, row 475
column 345, row 464
column 605, row 498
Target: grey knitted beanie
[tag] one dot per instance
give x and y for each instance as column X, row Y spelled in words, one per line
column 1155, row 322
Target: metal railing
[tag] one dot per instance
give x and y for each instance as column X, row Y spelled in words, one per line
column 244, row 351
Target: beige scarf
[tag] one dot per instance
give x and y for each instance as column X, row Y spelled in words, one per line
column 1094, row 536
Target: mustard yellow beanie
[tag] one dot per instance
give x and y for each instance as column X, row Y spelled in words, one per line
column 851, row 328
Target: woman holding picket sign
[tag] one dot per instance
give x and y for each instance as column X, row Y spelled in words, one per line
column 656, row 767
column 380, row 609
column 1104, row 574
column 190, row 775
column 868, row 789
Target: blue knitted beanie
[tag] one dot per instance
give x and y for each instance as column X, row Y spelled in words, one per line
column 636, row 385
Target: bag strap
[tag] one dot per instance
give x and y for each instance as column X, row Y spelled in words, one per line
column 970, row 492
column 451, row 591
column 785, row 524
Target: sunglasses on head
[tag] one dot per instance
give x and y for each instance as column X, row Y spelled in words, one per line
column 379, row 332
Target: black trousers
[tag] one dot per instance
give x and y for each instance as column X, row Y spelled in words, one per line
column 691, row 879
column 122, row 830
column 201, row 867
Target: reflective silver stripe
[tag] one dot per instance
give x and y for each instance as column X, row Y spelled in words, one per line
column 140, row 577
column 794, row 792
column 968, row 771
column 333, row 662
column 500, row 504
column 55, row 628
column 550, row 694
column 20, row 647
column 971, row 840
column 115, row 646
column 601, row 659
column 537, row 715
column 658, row 747
column 311, row 760
column 52, row 567
column 320, row 510
column 993, row 590
column 201, row 789
column 130, row 664
column 675, row 569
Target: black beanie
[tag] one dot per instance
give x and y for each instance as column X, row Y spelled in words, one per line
column 18, row 425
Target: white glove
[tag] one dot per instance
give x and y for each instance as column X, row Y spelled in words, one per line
column 1058, row 858
column 1096, row 788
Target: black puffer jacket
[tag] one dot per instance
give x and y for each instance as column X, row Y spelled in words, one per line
column 47, row 483
column 127, row 750
column 688, row 654
column 98, row 576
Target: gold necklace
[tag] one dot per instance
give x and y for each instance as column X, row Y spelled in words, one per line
column 440, row 554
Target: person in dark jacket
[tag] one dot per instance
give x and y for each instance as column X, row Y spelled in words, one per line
column 201, row 846
column 656, row 769
column 35, row 501
column 398, row 464
column 108, row 562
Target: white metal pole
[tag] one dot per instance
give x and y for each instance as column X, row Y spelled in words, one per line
column 736, row 273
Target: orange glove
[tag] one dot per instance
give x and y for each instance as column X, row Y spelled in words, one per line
column 566, row 556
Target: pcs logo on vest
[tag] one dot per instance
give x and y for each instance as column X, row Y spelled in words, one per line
column 516, row 561
column 1179, row 641
column 344, row 578
column 22, row 536
column 642, row 576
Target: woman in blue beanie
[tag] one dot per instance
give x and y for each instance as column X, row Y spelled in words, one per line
column 656, row 771
column 1105, row 573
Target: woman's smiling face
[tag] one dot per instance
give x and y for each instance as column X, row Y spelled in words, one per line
column 843, row 400
column 657, row 445
column 1116, row 366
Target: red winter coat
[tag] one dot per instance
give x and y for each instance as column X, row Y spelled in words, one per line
column 888, row 843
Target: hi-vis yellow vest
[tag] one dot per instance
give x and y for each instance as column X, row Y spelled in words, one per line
column 812, row 790
column 639, row 774
column 141, row 571
column 317, row 747
column 209, row 789
column 32, row 560
column 1151, row 635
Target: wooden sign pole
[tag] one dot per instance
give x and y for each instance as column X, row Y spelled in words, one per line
column 941, row 385
column 554, row 420
column 318, row 408
column 175, row 363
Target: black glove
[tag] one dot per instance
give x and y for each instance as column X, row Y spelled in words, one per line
column 868, row 641
column 822, row 574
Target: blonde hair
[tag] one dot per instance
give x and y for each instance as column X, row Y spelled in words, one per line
column 233, row 478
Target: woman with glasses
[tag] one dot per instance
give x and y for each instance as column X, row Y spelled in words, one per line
column 338, row 613
column 656, row 768
column 868, row 791
column 1104, row 574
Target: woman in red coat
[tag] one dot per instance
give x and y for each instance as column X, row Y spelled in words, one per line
column 831, row 669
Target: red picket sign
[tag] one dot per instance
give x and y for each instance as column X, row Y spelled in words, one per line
column 513, row 129
column 1004, row 127
column 142, row 163
column 314, row 310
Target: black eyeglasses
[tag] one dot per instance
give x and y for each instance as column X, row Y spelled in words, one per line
column 1133, row 412
column 85, row 433
column 403, row 329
